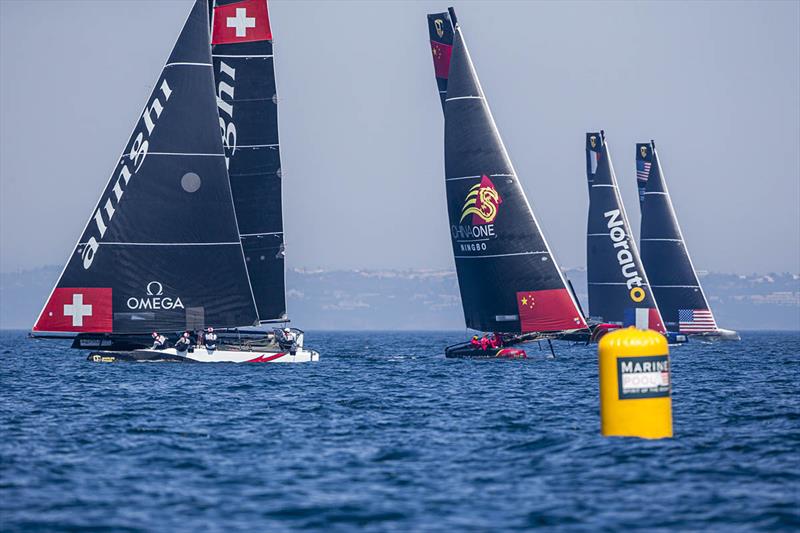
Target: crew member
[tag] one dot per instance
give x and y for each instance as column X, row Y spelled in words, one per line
column 475, row 342
column 211, row 340
column 289, row 340
column 484, row 343
column 159, row 341
column 183, row 342
column 199, row 338
column 496, row 340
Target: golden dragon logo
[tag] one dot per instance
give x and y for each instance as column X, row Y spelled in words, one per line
column 482, row 202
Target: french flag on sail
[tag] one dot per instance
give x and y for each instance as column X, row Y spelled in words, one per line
column 591, row 160
column 644, row 318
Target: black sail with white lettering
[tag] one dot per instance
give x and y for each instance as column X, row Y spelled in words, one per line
column 247, row 104
column 508, row 278
column 161, row 250
column 664, row 251
column 618, row 285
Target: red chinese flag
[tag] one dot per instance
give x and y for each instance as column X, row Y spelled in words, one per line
column 548, row 310
column 441, row 59
column 79, row 310
column 241, row 22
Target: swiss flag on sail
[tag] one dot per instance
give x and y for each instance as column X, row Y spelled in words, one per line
column 241, row 22
column 77, row 309
column 548, row 310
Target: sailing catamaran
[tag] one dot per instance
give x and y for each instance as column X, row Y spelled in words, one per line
column 188, row 233
column 508, row 278
column 681, row 299
column 619, row 291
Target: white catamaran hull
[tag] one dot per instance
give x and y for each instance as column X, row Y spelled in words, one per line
column 201, row 355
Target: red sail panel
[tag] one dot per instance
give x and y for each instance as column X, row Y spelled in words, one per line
column 548, row 310
column 241, row 22
column 441, row 58
column 84, row 310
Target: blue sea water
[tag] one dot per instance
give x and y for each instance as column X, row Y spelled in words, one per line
column 384, row 434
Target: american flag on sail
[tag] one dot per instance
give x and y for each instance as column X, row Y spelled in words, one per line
column 642, row 170
column 695, row 321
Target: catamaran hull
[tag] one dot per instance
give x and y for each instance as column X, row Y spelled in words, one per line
column 720, row 335
column 201, row 355
column 470, row 352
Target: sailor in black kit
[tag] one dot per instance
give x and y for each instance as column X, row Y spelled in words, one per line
column 211, row 340
column 183, row 343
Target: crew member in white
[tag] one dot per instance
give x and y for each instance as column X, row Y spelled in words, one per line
column 159, row 341
column 211, row 340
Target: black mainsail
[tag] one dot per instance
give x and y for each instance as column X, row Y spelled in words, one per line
column 508, row 277
column 619, row 291
column 247, row 102
column 161, row 250
column 666, row 258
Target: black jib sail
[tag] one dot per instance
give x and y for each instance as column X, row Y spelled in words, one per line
column 508, row 278
column 248, row 119
column 680, row 296
column 440, row 29
column 161, row 250
column 619, row 291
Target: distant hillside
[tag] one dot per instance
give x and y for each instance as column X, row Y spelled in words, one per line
column 428, row 299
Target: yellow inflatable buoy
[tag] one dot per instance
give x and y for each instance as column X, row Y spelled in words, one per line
column 635, row 384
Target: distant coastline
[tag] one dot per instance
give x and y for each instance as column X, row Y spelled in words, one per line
column 424, row 300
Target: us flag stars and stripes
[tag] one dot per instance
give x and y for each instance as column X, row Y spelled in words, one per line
column 696, row 321
column 642, row 170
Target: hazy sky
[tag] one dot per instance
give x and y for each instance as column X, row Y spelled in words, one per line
column 716, row 85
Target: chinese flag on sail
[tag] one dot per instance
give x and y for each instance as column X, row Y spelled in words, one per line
column 548, row 310
column 77, row 309
column 241, row 22
column 441, row 58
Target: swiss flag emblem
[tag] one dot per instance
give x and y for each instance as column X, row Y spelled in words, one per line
column 76, row 309
column 241, row 22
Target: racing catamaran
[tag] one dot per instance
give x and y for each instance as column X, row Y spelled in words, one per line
column 676, row 286
column 509, row 280
column 188, row 232
column 619, row 291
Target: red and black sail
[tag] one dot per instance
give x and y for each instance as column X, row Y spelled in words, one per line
column 247, row 102
column 161, row 250
column 508, row 277
column 440, row 30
